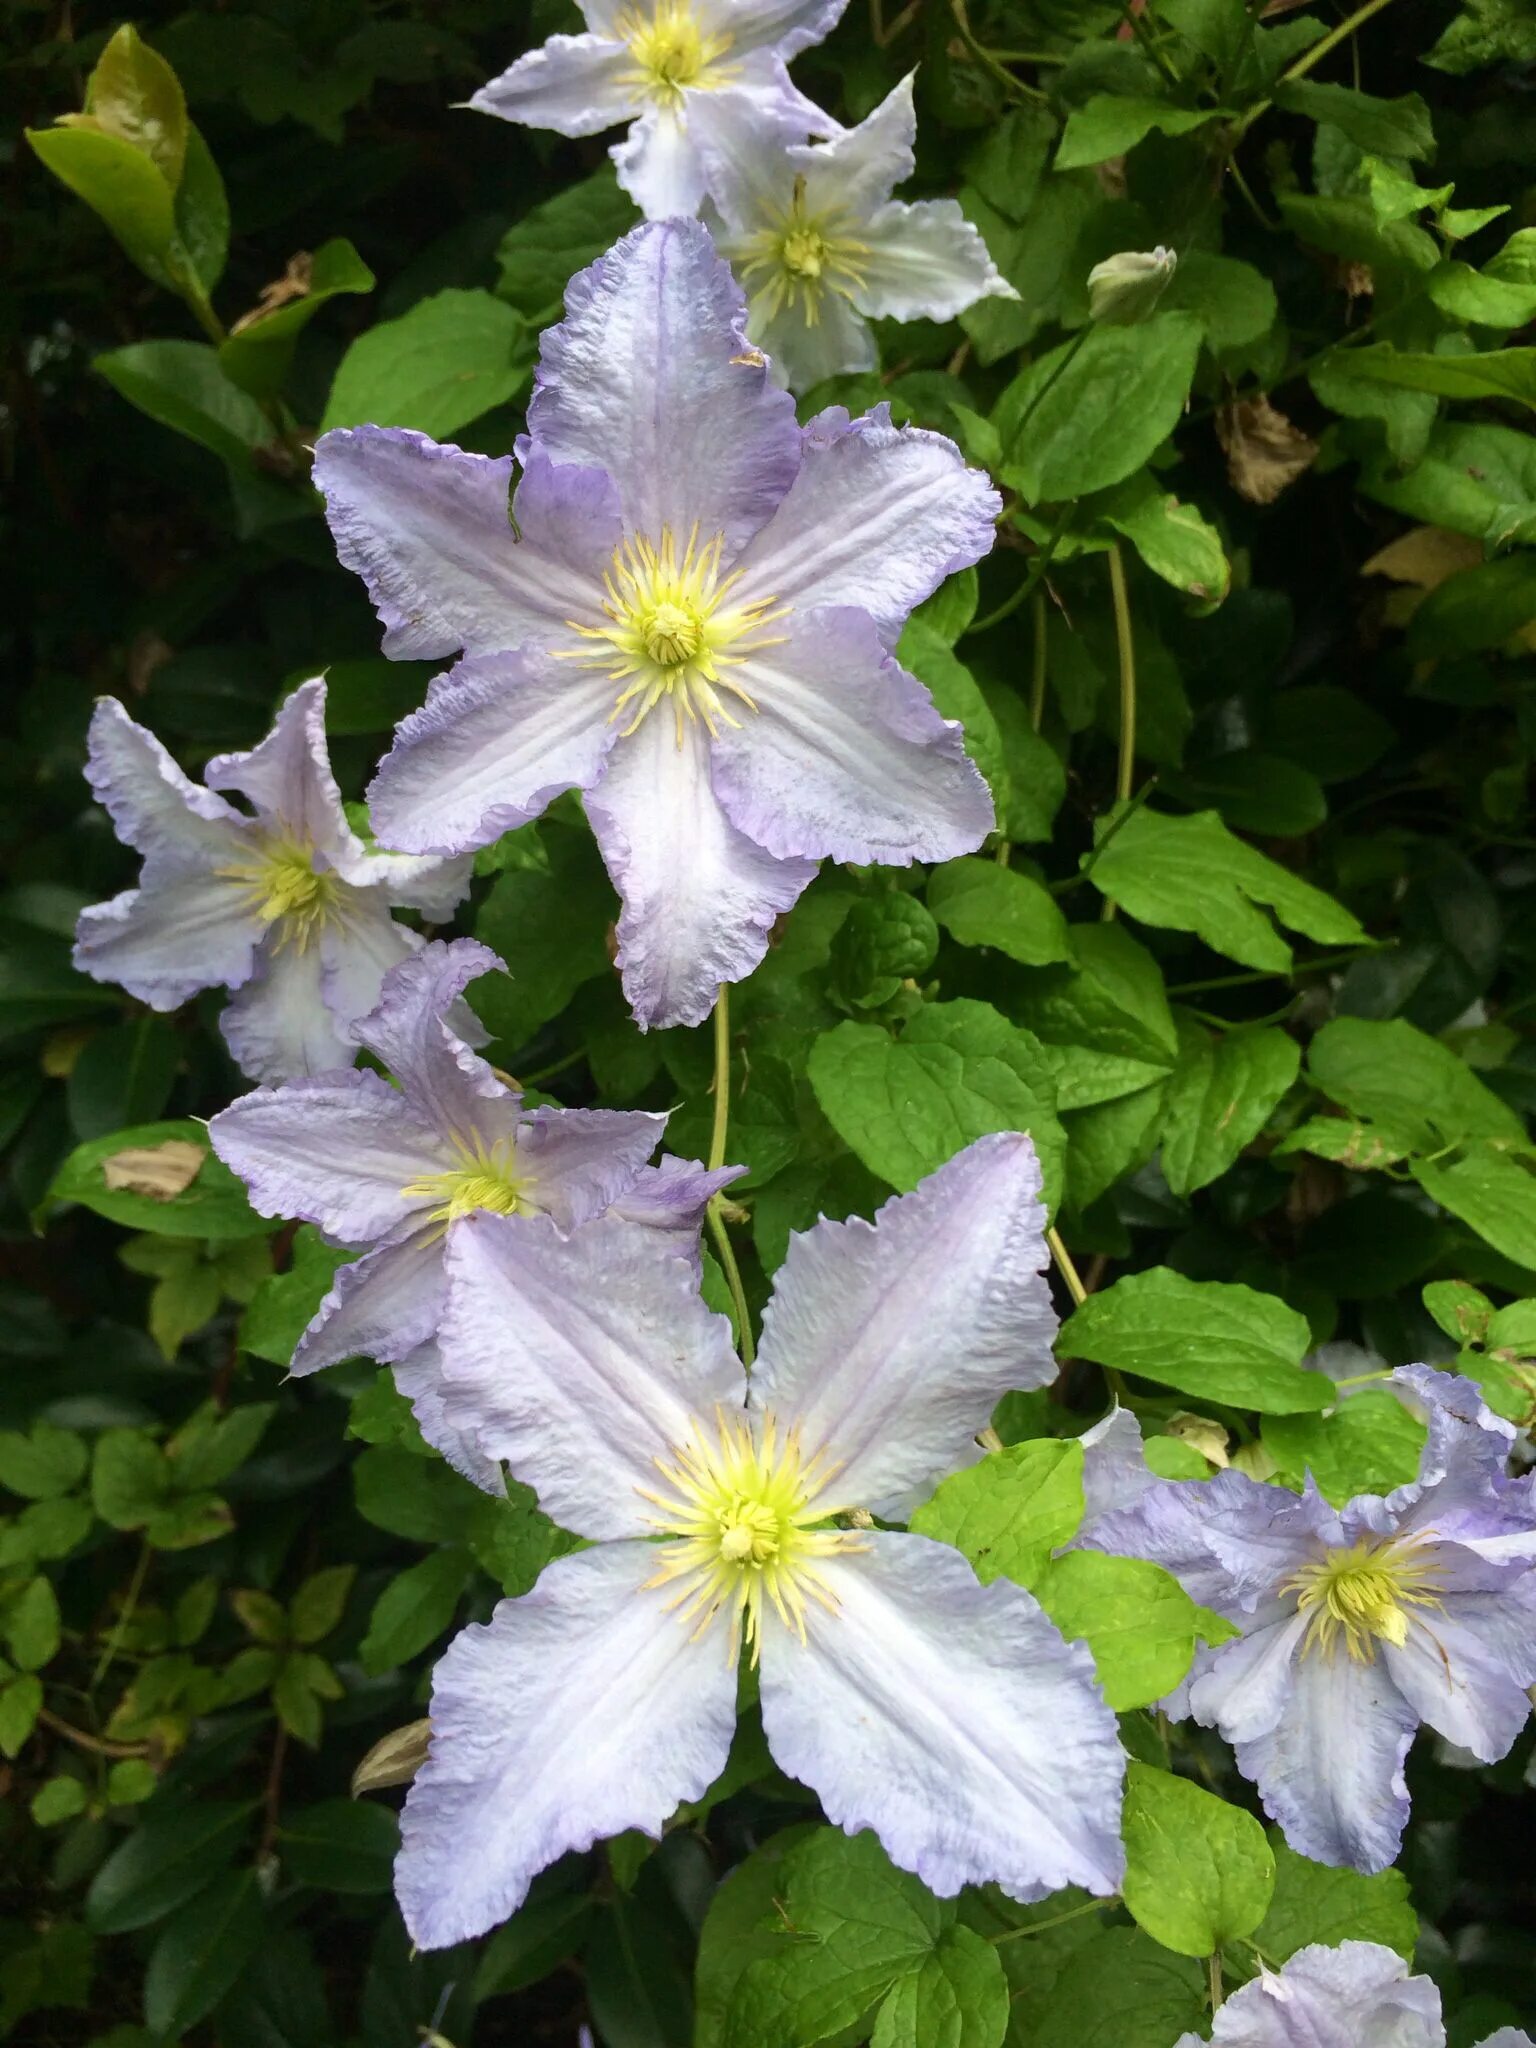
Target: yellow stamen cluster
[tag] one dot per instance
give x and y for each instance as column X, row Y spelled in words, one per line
column 671, row 51
column 746, row 1510
column 672, row 632
column 1364, row 1594
column 797, row 256
column 486, row 1179
column 284, row 888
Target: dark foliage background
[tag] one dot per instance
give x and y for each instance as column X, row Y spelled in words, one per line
column 217, row 1589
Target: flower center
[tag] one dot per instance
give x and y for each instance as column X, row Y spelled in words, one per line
column 671, row 51
column 672, row 633
column 745, row 1512
column 1365, row 1594
column 485, row 1179
column 797, row 256
column 282, row 886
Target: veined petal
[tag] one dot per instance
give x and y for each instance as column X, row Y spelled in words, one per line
column 699, row 895
column 576, row 1712
column 498, row 739
column 877, row 517
column 847, row 755
column 784, row 26
column 414, row 1032
column 580, row 1360
column 858, row 169
column 1463, row 1491
column 1331, row 1770
column 573, row 84
column 419, row 1376
column 356, row 953
column 426, row 526
column 179, row 931
column 1358, row 1995
column 154, row 808
column 1115, row 1469
column 384, row 1305
column 287, row 776
column 576, row 1162
column 1243, row 1690
column 650, row 376
column 889, row 1343
column 951, row 1718
column 278, row 1024
column 1169, row 1524
column 745, row 150
column 1466, row 1665
column 658, row 166
column 840, row 344
column 672, row 1196
column 926, row 262
column 337, row 1152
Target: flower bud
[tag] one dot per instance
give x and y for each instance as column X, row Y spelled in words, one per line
column 1124, row 289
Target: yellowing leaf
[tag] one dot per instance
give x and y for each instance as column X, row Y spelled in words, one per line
column 160, row 1171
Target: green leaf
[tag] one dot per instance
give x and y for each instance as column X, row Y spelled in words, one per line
column 449, row 359
column 1235, row 303
column 554, row 926
column 212, row 1204
column 1198, row 1872
column 209, row 1447
column 1482, row 606
column 557, row 238
column 1460, row 1310
column 58, row 1799
column 1137, row 1620
column 1011, row 1509
column 958, row 1071
column 340, row 1845
column 1380, row 127
column 1348, row 227
column 1368, row 1444
column 21, row 1701
column 283, row 1307
column 925, row 651
column 739, row 1928
column 957, row 1997
column 1496, row 373
column 1121, row 1991
column 122, row 186
column 166, row 1860
column 202, row 1951
column 1174, row 540
column 1206, row 1338
column 1106, row 1029
column 540, row 1937
column 1220, row 1097
column 1409, row 1082
column 1095, row 409
column 882, row 942
column 123, row 1076
column 202, row 214
column 318, row 1605
column 1476, row 479
column 1501, row 294
column 257, row 355
column 1109, row 1140
column 1364, row 1147
column 30, row 1624
column 1485, row 32
column 1192, row 875
column 182, row 385
column 43, row 1464
column 134, row 94
column 415, row 1609
column 1107, row 125
column 981, row 904
column 854, row 1925
column 129, row 1478
column 1313, row 1902
column 1491, row 1191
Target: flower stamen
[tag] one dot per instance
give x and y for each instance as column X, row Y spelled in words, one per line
column 797, row 257
column 1364, row 1594
column 485, row 1179
column 671, row 52
column 746, row 1512
column 283, row 887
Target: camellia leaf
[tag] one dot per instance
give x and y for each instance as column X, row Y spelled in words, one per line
column 1206, row 1338
column 1198, row 1871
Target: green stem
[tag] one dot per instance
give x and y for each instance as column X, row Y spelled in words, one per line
column 1213, row 1974
column 114, row 1641
column 1125, row 771
column 1065, row 1267
column 1085, row 872
column 1310, row 59
column 197, row 304
column 717, row 1143
column 1040, row 562
column 1037, row 678
column 987, row 61
column 1055, row 1920
column 1300, row 967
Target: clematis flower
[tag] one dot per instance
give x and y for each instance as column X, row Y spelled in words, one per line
column 1358, row 1995
column 819, row 244
column 287, row 907
column 392, row 1170
column 692, row 623
column 1358, row 1623
column 655, row 63
column 951, row 1718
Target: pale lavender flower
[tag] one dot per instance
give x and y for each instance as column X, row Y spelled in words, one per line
column 951, row 1718
column 1358, row 1623
column 692, row 622
column 819, row 244
column 392, row 1170
column 655, row 63
column 1358, row 1995
column 287, row 907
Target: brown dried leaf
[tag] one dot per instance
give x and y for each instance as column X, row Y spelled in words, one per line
column 1265, row 452
column 160, row 1171
column 394, row 1759
column 1424, row 556
column 293, row 284
column 1202, row 1433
